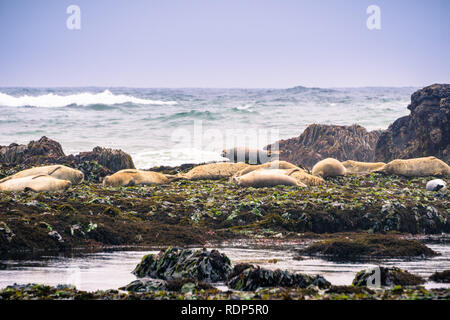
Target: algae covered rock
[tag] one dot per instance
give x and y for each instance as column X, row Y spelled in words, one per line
column 388, row 277
column 247, row 277
column 363, row 246
column 178, row 263
column 442, row 277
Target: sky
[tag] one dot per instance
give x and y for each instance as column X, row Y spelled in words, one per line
column 224, row 44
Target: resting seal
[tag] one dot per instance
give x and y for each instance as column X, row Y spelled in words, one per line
column 328, row 167
column 436, row 185
column 56, row 171
column 300, row 175
column 213, row 171
column 417, row 167
column 356, row 167
column 132, row 177
column 247, row 155
column 268, row 178
column 40, row 183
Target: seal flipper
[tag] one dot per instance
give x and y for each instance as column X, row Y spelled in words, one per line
column 28, row 189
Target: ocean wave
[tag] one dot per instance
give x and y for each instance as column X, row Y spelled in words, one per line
column 81, row 99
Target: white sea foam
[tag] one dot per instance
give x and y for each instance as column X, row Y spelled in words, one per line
column 82, row 99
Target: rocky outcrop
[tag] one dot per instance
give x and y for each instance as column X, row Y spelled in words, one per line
column 247, row 277
column 178, row 263
column 388, row 277
column 95, row 164
column 35, row 152
column 319, row 141
column 425, row 132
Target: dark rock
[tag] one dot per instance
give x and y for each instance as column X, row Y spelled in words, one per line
column 389, row 277
column 42, row 151
column 178, row 263
column 246, row 277
column 111, row 159
column 442, row 277
column 145, row 285
column 364, row 246
column 319, row 141
column 425, row 132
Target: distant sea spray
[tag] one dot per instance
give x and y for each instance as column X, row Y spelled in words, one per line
column 158, row 126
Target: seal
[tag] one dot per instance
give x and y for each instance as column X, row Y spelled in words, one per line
column 328, row 167
column 300, row 175
column 131, row 177
column 417, row 167
column 38, row 183
column 268, row 178
column 213, row 171
column 357, row 167
column 56, row 171
column 247, row 155
column 436, row 185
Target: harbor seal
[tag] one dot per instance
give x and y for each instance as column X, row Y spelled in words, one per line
column 417, row 167
column 131, row 177
column 214, row 171
column 300, row 175
column 247, row 155
column 436, row 185
column 328, row 167
column 39, row 183
column 268, row 178
column 357, row 167
column 56, row 171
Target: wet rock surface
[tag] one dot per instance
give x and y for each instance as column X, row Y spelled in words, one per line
column 320, row 141
column 247, row 277
column 368, row 246
column 196, row 212
column 42, row 151
column 178, row 263
column 425, row 132
column 389, row 277
column 36, row 291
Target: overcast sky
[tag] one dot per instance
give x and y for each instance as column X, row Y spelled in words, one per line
column 224, row 43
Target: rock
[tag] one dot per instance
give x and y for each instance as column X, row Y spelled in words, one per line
column 389, row 277
column 425, row 132
column 247, row 277
column 320, row 141
column 178, row 263
column 145, row 285
column 42, row 151
column 436, row 185
column 365, row 246
column 441, row 277
column 111, row 159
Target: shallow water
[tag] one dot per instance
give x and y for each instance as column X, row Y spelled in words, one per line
column 111, row 270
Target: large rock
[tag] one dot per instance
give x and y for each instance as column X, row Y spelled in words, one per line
column 388, row 277
column 246, row 277
column 111, row 159
column 425, row 132
column 36, row 152
column 320, row 141
column 178, row 263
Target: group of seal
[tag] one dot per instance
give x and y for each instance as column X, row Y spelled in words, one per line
column 40, row 179
column 59, row 177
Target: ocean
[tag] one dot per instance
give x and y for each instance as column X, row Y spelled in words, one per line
column 176, row 126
